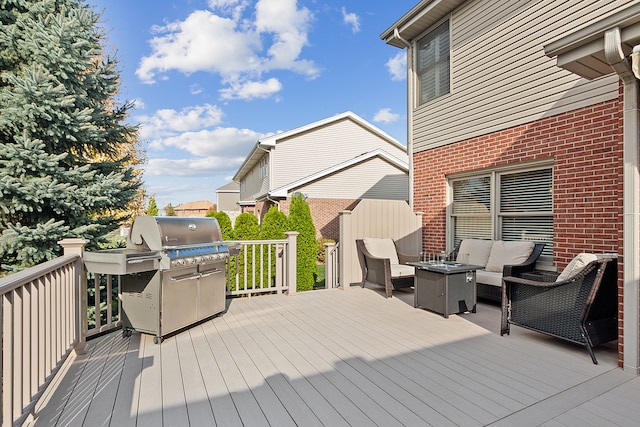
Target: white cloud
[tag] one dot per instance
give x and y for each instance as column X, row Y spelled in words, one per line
column 384, row 115
column 203, row 166
column 234, row 43
column 202, row 42
column 251, row 90
column 220, row 142
column 397, row 66
column 168, row 121
column 351, row 19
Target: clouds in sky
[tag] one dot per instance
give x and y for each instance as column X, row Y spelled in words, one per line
column 196, row 131
column 235, row 41
column 397, row 66
column 385, row 115
column 351, row 19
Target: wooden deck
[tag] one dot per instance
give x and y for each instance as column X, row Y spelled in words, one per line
column 339, row 358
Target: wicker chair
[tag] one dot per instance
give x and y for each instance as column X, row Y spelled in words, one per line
column 379, row 270
column 582, row 309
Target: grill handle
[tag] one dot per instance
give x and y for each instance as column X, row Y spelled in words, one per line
column 191, row 276
column 142, row 259
column 210, row 272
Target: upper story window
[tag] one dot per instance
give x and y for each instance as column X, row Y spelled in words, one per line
column 433, row 64
column 264, row 167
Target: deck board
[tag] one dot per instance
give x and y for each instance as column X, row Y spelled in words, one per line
column 340, row 358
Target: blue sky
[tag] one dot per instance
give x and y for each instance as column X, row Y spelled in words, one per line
column 211, row 77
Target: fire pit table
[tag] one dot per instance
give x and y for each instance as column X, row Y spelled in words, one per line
column 445, row 287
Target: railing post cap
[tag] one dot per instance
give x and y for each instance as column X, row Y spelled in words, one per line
column 73, row 245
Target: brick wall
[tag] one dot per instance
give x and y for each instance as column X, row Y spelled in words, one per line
column 586, row 146
column 324, row 213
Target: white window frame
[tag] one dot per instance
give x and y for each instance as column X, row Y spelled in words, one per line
column 264, row 167
column 497, row 217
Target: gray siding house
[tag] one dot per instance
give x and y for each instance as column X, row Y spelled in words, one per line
column 334, row 163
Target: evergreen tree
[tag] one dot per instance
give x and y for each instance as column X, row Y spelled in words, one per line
column 169, row 210
column 62, row 171
column 152, row 209
column 274, row 225
column 246, row 227
column 300, row 220
column 225, row 224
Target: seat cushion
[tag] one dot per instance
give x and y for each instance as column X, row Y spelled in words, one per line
column 576, row 265
column 508, row 253
column 381, row 248
column 477, row 249
column 399, row 270
column 489, row 277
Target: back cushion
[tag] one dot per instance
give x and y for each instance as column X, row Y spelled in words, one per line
column 508, row 253
column 381, row 248
column 477, row 249
column 576, row 265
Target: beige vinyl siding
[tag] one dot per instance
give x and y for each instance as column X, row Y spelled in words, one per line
column 500, row 74
column 255, row 185
column 374, row 179
column 321, row 148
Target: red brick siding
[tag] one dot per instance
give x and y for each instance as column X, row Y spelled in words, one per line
column 586, row 146
column 324, row 213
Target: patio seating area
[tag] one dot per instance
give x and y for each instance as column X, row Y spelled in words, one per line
column 340, row 357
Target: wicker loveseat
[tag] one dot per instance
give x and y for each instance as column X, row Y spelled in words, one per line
column 384, row 265
column 499, row 259
column 580, row 307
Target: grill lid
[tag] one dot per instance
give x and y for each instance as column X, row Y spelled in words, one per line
column 172, row 233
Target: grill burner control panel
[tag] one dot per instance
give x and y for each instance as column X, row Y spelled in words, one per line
column 201, row 255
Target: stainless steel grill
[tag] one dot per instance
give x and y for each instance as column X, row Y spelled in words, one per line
column 172, row 273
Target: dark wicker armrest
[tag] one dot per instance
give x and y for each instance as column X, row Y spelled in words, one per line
column 404, row 258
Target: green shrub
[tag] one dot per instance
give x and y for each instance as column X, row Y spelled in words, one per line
column 321, row 257
column 225, row 224
column 300, row 220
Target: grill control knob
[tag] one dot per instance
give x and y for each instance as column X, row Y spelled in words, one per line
column 190, row 261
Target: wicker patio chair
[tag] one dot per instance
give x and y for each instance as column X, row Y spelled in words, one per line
column 582, row 309
column 383, row 272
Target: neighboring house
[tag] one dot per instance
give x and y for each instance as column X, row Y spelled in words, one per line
column 228, row 199
column 334, row 163
column 199, row 208
column 523, row 124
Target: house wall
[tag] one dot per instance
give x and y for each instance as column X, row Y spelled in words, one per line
column 373, row 179
column 228, row 201
column 324, row 213
column 254, row 184
column 586, row 146
column 321, row 148
column 500, row 76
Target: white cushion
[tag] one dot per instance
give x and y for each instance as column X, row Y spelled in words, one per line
column 579, row 262
column 489, row 277
column 399, row 270
column 508, row 253
column 477, row 249
column 381, row 248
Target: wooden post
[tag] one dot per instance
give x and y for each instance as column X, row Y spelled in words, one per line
column 346, row 249
column 292, row 254
column 75, row 247
column 329, row 265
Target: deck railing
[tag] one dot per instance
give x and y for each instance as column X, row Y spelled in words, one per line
column 332, row 270
column 40, row 326
column 50, row 310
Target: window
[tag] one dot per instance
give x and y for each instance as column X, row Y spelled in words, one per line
column 506, row 205
column 264, row 167
column 433, row 64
